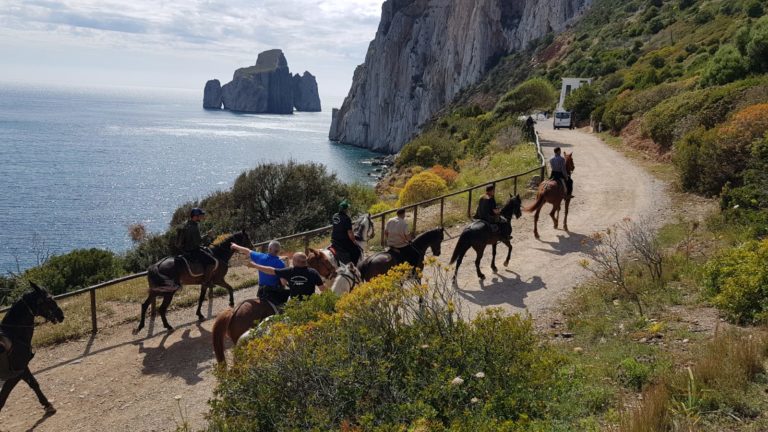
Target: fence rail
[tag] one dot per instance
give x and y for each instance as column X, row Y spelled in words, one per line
column 308, row 235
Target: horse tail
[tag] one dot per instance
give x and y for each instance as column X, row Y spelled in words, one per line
column 540, row 200
column 461, row 247
column 219, row 332
column 155, row 277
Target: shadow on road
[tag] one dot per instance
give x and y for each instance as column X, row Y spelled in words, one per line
column 501, row 289
column 184, row 358
column 566, row 244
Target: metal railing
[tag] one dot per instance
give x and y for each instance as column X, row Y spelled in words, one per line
column 308, row 235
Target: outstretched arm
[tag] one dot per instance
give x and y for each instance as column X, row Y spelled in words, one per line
column 262, row 268
column 240, row 249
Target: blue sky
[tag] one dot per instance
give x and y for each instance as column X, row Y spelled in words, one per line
column 180, row 43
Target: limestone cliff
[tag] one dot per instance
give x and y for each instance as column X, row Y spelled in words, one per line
column 305, row 94
column 426, row 51
column 267, row 87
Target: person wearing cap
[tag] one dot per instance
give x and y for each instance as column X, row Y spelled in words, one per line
column 487, row 209
column 342, row 236
column 269, row 284
column 191, row 243
column 398, row 239
column 300, row 279
column 560, row 172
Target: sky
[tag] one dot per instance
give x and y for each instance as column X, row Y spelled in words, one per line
column 180, row 43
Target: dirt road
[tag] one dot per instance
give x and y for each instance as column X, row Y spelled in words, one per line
column 121, row 382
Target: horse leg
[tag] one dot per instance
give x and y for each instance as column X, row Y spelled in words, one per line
column 536, row 223
column 33, row 384
column 479, row 251
column 493, row 258
column 565, row 218
column 200, row 316
column 144, row 307
column 230, row 290
column 7, row 387
column 555, row 209
column 163, row 309
column 509, row 251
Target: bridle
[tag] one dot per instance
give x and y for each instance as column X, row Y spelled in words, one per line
column 352, row 278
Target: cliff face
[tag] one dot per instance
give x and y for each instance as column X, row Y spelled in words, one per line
column 305, row 94
column 267, row 87
column 426, row 51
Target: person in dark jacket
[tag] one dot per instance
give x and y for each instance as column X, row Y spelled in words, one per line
column 342, row 236
column 487, row 210
column 191, row 243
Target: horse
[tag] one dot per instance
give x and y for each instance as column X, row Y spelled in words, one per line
column 234, row 322
column 551, row 191
column 325, row 262
column 162, row 278
column 478, row 234
column 347, row 278
column 381, row 262
column 16, row 331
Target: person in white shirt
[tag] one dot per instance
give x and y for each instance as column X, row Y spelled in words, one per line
column 398, row 238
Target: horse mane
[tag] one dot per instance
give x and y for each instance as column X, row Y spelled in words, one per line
column 222, row 238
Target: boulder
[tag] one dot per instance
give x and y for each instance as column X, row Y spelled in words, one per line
column 305, row 94
column 212, row 95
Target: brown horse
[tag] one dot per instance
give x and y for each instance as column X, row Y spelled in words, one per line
column 162, row 278
column 235, row 322
column 551, row 191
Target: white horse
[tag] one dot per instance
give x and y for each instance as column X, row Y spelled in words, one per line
column 347, row 277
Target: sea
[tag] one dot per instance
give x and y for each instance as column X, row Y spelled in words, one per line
column 79, row 165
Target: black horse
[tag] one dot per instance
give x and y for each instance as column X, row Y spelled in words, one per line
column 478, row 235
column 163, row 275
column 381, row 262
column 16, row 331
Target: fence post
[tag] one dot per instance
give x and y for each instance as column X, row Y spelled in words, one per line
column 383, row 221
column 94, row 327
column 469, row 205
column 415, row 219
column 515, row 185
column 306, row 243
column 543, row 172
column 442, row 209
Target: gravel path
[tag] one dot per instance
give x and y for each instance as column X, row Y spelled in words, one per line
column 121, row 382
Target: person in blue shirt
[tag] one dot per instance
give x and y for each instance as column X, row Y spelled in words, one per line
column 269, row 284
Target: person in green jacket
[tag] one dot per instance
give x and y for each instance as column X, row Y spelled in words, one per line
column 192, row 244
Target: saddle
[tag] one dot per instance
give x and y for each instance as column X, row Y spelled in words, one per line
column 6, row 371
column 551, row 184
column 195, row 268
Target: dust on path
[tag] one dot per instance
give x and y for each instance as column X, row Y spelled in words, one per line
column 121, row 382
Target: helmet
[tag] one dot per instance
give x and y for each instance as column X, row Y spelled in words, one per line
column 197, row 211
column 343, row 205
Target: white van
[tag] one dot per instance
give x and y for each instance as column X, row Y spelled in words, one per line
column 563, row 119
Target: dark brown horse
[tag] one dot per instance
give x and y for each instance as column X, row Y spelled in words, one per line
column 380, row 263
column 16, row 331
column 551, row 191
column 478, row 235
column 235, row 322
column 163, row 275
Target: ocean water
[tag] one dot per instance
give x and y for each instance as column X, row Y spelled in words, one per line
column 78, row 166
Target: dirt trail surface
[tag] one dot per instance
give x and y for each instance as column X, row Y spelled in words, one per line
column 120, row 382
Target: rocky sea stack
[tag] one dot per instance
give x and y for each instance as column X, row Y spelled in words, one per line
column 426, row 51
column 267, row 87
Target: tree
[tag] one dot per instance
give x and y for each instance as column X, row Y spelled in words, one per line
column 757, row 48
column 536, row 93
column 583, row 101
column 726, row 66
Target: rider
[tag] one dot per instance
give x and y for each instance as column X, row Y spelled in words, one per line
column 398, row 239
column 269, row 284
column 487, row 210
column 342, row 237
column 529, row 129
column 301, row 280
column 191, row 243
column 560, row 172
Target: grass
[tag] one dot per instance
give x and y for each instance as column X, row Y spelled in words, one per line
column 661, row 170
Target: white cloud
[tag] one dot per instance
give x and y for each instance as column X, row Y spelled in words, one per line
column 327, row 36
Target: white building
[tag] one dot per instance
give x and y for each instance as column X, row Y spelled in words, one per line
column 569, row 85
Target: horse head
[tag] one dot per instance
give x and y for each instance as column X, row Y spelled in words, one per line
column 41, row 303
column 347, row 277
column 320, row 262
column 569, row 162
column 365, row 229
column 513, row 207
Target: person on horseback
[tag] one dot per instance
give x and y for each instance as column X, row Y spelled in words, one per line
column 192, row 244
column 560, row 173
column 487, row 209
column 398, row 239
column 269, row 284
column 300, row 279
column 342, row 236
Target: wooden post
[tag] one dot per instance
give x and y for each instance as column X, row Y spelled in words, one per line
column 515, row 185
column 306, row 243
column 469, row 205
column 442, row 210
column 383, row 221
column 94, row 327
column 543, row 172
column 415, row 219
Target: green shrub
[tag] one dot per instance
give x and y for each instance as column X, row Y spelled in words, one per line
column 755, row 9
column 361, row 197
column 536, row 93
column 726, row 66
column 149, row 250
column 634, row 374
column 737, row 282
column 380, row 207
column 757, row 47
column 583, row 101
column 392, row 355
column 619, row 111
column 443, row 150
column 421, row 187
column 77, row 269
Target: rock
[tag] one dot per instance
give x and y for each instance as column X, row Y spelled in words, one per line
column 426, row 51
column 263, row 88
column 305, row 93
column 212, row 95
